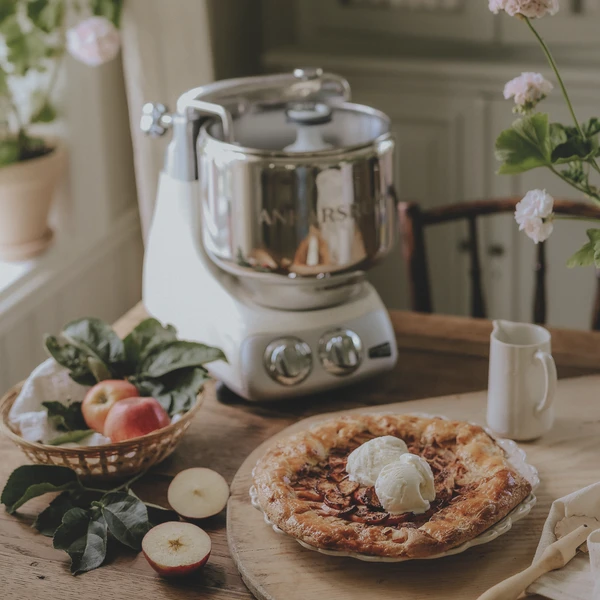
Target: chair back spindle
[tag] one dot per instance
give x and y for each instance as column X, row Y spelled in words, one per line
column 413, row 221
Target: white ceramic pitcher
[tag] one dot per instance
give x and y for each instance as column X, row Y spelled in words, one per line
column 522, row 381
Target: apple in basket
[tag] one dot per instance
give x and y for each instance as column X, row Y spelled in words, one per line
column 101, row 398
column 134, row 417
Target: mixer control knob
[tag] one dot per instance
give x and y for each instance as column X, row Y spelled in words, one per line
column 340, row 351
column 288, row 360
column 156, row 119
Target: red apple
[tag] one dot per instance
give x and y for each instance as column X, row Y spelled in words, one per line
column 198, row 493
column 175, row 548
column 134, row 417
column 101, row 398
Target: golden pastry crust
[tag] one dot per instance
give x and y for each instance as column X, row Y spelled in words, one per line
column 302, row 487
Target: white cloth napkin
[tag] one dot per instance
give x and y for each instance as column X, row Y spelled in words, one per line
column 47, row 382
column 580, row 579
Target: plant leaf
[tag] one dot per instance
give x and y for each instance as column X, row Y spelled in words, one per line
column 126, row 517
column 97, row 339
column 10, row 152
column 72, row 358
column 156, row 514
column 46, row 113
column 176, row 391
column 178, row 355
column 111, row 9
column 7, row 8
column 49, row 520
column 65, row 417
column 144, row 339
column 47, row 15
column 30, row 481
column 584, row 257
column 526, row 145
column 70, row 437
column 84, row 538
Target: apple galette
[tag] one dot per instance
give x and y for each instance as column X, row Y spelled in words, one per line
column 398, row 486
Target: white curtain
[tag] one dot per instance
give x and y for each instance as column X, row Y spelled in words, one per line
column 166, row 51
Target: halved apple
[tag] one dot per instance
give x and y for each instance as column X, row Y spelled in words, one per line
column 198, row 493
column 175, row 548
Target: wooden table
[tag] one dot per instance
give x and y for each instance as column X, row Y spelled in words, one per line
column 438, row 355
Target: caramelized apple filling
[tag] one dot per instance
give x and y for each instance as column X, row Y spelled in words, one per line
column 328, row 490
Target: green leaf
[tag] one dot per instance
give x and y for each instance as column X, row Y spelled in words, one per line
column 156, row 514
column 83, row 536
column 10, row 152
column 144, row 339
column 7, row 9
column 46, row 113
column 72, row 358
column 526, row 145
column 591, row 127
column 71, row 437
column 178, row 355
column 584, row 257
column 30, row 481
column 111, row 9
column 26, row 51
column 65, row 417
column 126, row 517
column 97, row 339
column 176, row 391
column 589, row 254
column 10, row 28
column 49, row 520
column 47, row 15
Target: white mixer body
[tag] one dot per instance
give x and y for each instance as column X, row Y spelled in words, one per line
column 183, row 287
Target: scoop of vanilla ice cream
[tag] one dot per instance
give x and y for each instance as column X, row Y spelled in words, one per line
column 406, row 485
column 365, row 463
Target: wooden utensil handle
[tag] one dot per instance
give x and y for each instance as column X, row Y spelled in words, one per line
column 511, row 588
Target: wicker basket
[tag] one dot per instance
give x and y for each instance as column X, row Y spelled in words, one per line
column 111, row 461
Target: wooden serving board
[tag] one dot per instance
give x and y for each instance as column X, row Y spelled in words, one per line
column 276, row 567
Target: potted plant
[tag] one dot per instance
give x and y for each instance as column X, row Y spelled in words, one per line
column 36, row 34
column 571, row 151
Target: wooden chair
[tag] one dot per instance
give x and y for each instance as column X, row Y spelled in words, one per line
column 413, row 221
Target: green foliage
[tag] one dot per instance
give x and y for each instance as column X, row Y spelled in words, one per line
column 80, row 518
column 65, row 417
column 47, row 15
column 589, row 254
column 70, row 437
column 151, row 357
column 111, row 9
column 30, row 481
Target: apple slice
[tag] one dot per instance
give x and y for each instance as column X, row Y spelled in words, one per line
column 198, row 493
column 174, row 548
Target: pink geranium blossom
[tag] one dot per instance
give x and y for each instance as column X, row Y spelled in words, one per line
column 533, row 9
column 94, row 41
column 534, row 215
column 528, row 89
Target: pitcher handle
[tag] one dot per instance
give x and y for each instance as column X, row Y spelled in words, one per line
column 551, row 380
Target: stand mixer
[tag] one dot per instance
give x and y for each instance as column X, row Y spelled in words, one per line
column 276, row 195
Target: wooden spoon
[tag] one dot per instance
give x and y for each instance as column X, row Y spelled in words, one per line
column 555, row 556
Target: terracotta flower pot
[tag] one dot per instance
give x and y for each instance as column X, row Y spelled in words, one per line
column 26, row 192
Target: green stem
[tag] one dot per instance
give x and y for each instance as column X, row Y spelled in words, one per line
column 565, row 94
column 554, row 67
column 575, row 218
column 584, row 190
column 123, row 486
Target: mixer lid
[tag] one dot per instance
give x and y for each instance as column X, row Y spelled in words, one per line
column 304, row 129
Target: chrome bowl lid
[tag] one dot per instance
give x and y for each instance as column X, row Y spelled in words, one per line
column 273, row 131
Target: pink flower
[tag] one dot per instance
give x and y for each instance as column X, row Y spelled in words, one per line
column 528, row 89
column 94, row 41
column 534, row 215
column 533, row 9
